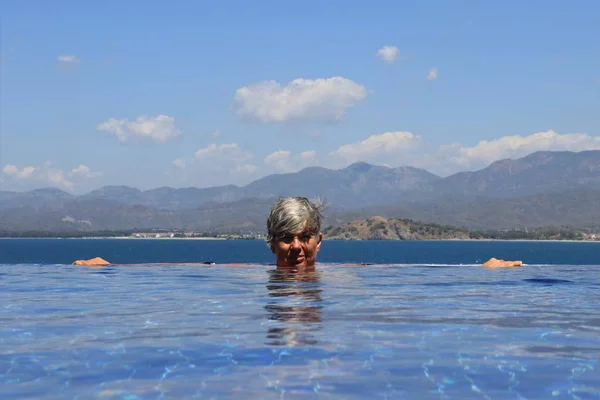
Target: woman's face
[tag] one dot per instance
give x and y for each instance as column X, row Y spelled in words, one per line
column 297, row 250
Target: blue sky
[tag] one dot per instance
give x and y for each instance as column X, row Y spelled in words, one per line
column 186, row 93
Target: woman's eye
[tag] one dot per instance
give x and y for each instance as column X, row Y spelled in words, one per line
column 287, row 239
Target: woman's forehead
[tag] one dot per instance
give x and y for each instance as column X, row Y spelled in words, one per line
column 300, row 230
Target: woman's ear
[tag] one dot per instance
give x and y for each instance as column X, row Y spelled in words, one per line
column 320, row 239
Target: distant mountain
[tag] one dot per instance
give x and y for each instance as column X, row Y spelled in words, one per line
column 166, row 197
column 122, row 194
column 541, row 189
column 575, row 208
column 538, row 172
column 87, row 215
column 34, row 198
column 246, row 215
column 361, row 184
column 185, row 198
column 354, row 186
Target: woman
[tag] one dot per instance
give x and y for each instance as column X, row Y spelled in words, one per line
column 294, row 232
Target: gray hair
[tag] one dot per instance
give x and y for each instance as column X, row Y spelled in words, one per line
column 293, row 215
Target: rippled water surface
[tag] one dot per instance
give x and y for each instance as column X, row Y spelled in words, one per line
column 381, row 331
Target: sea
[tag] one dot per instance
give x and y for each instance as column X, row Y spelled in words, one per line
column 375, row 320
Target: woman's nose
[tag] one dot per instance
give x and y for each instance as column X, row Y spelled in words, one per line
column 296, row 243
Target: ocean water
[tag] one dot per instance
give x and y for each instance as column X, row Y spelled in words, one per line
column 131, row 251
column 425, row 321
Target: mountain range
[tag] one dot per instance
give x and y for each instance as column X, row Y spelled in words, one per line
column 540, row 189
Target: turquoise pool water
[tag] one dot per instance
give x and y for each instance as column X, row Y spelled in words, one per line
column 382, row 331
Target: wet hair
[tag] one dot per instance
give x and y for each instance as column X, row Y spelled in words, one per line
column 293, row 215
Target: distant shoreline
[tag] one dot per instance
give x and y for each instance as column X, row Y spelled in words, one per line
column 326, row 239
column 118, row 237
column 467, row 240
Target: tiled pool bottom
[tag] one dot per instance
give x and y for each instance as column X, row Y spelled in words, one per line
column 346, row 333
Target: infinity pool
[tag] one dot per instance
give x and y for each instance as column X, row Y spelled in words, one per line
column 379, row 331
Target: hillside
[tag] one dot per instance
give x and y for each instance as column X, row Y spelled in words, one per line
column 90, row 215
column 539, row 172
column 353, row 186
column 360, row 184
column 380, row 228
column 576, row 208
column 539, row 190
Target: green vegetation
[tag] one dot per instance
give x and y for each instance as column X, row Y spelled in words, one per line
column 375, row 228
column 135, row 234
column 549, row 233
column 379, row 228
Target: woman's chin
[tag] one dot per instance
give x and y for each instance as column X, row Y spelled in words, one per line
column 297, row 262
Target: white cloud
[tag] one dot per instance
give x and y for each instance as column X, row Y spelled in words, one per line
column 46, row 174
column 83, row 171
column 432, row 74
column 388, row 54
column 229, row 151
column 228, row 162
column 283, row 161
column 307, row 155
column 13, row 171
column 302, row 100
column 179, row 163
column 216, row 164
column 245, row 169
column 405, row 148
column 276, row 157
column 216, row 133
column 160, row 128
column 228, row 157
column 57, row 178
column 485, row 152
column 381, row 148
column 207, row 151
column 69, row 59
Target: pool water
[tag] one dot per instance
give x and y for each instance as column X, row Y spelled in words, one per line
column 378, row 331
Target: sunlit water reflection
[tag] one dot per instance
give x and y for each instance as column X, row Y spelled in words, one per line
column 378, row 331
